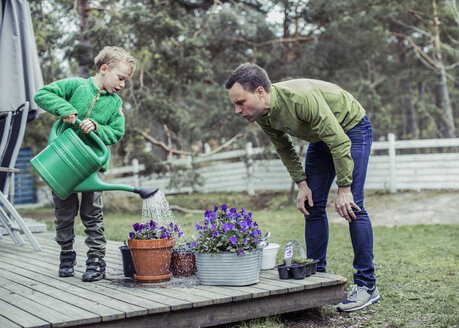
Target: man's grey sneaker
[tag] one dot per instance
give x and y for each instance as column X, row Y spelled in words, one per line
column 358, row 298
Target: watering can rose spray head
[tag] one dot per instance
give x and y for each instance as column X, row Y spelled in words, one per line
column 146, row 193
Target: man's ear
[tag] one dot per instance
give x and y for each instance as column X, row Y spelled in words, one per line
column 260, row 91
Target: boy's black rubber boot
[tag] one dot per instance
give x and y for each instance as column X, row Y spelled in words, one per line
column 68, row 261
column 95, row 268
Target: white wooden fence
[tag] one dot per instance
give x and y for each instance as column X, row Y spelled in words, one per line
column 246, row 169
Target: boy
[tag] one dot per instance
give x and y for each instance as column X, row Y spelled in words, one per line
column 94, row 101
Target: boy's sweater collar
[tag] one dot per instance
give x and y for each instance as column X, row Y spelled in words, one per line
column 94, row 88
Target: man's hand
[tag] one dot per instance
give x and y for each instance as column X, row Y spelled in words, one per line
column 87, row 126
column 304, row 194
column 345, row 202
column 70, row 119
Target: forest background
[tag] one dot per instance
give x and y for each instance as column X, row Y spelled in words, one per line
column 399, row 58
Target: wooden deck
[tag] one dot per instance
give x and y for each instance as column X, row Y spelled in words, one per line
column 32, row 295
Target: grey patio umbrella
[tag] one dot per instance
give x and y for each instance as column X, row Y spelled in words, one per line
column 20, row 73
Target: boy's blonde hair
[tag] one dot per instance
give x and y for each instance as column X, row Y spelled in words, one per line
column 112, row 55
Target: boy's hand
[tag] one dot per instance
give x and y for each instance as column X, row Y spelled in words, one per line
column 87, row 126
column 70, row 119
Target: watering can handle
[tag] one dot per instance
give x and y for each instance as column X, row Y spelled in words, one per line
column 54, row 132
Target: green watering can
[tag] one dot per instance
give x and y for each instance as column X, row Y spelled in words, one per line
column 69, row 165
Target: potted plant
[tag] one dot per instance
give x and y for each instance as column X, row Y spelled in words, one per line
column 151, row 249
column 296, row 267
column 228, row 249
column 183, row 262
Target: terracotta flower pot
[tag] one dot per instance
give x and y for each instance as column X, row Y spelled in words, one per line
column 152, row 259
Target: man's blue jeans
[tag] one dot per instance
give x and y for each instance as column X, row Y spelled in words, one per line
column 320, row 173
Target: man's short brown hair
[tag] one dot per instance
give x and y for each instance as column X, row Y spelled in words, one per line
column 250, row 76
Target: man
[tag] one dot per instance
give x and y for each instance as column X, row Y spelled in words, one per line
column 340, row 136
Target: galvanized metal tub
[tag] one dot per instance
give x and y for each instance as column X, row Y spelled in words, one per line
column 228, row 268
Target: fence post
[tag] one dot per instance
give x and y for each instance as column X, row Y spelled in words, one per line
column 135, row 171
column 249, row 165
column 392, row 154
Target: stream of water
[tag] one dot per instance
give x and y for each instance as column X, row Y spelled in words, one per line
column 157, row 208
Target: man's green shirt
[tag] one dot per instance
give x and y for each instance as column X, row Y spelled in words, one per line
column 312, row 110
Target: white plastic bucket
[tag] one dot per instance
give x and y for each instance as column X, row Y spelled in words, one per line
column 269, row 256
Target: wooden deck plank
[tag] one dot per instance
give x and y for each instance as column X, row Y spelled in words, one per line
column 99, row 310
column 21, row 317
column 4, row 322
column 114, row 302
column 235, row 292
column 75, row 313
column 36, row 309
column 79, row 296
column 114, row 265
column 142, row 290
column 215, row 297
column 98, row 292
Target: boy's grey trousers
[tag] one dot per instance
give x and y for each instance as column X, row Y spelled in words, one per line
column 91, row 217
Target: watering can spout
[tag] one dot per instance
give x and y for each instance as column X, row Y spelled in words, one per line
column 146, row 192
column 93, row 183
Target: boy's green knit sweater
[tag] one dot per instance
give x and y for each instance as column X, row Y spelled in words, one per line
column 74, row 96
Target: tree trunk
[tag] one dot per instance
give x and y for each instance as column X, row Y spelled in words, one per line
column 409, row 120
column 84, row 60
column 443, row 102
column 441, row 90
column 286, row 26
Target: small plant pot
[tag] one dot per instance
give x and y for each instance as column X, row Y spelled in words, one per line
column 295, row 271
column 183, row 263
column 313, row 266
column 128, row 264
column 284, row 272
column 269, row 256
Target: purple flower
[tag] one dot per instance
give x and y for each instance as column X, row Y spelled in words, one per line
column 136, row 227
column 224, row 208
column 241, row 251
column 151, row 230
column 245, row 241
column 227, row 226
column 233, row 239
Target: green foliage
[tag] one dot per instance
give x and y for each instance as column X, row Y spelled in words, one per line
column 186, row 50
column 301, row 260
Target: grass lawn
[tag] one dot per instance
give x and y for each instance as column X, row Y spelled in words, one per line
column 417, row 266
